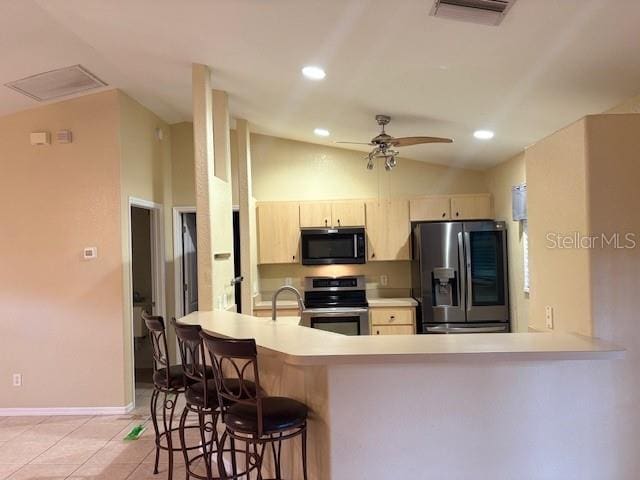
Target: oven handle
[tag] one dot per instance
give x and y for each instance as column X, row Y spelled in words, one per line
column 321, row 312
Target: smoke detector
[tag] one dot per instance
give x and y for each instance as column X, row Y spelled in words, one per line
column 483, row 12
column 57, row 83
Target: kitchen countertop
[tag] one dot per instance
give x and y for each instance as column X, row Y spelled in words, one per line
column 306, row 346
column 373, row 303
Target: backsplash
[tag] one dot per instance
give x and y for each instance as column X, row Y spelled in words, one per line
column 398, row 277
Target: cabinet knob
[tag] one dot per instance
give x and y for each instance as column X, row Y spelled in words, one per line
column 338, row 222
column 377, row 332
column 444, row 214
column 457, row 214
column 294, row 257
column 326, row 222
column 393, row 317
column 373, row 255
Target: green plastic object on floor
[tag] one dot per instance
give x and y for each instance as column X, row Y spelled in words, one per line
column 136, row 432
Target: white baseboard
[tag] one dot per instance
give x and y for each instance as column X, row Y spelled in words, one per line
column 25, row 412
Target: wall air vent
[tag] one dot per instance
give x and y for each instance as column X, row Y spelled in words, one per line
column 57, row 83
column 484, row 12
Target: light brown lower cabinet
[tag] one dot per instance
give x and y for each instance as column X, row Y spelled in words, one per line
column 392, row 320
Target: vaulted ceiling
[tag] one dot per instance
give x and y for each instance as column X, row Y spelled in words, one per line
column 549, row 63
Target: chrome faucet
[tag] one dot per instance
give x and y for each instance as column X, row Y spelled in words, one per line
column 275, row 298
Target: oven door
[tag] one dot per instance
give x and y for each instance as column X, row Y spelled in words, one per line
column 330, row 246
column 346, row 321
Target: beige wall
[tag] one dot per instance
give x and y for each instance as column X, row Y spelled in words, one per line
column 557, row 204
column 183, row 172
column 614, row 176
column 499, row 180
column 62, row 314
column 291, row 170
column 146, row 174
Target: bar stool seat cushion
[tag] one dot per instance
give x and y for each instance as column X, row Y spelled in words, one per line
column 176, row 377
column 195, row 395
column 278, row 413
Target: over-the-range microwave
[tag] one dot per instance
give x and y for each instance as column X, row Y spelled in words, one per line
column 331, row 246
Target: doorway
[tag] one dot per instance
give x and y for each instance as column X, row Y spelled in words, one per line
column 185, row 260
column 237, row 263
column 146, row 288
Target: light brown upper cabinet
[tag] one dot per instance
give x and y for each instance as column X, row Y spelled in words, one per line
column 426, row 209
column 315, row 214
column 328, row 214
column 348, row 214
column 388, row 230
column 278, row 232
column 471, row 207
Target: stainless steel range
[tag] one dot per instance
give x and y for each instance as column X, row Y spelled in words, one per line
column 336, row 304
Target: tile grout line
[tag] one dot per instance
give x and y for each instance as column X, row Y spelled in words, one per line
column 50, row 447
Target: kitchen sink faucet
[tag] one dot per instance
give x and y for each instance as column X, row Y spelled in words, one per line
column 275, row 298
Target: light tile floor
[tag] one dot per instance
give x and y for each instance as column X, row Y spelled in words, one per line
column 82, row 448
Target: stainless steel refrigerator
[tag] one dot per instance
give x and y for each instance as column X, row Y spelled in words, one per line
column 459, row 277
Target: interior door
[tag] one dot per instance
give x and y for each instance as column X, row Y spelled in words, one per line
column 189, row 263
column 487, row 298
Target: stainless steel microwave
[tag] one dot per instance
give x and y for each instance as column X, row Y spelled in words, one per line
column 331, row 246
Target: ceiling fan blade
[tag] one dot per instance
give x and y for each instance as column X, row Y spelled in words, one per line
column 357, row 143
column 407, row 141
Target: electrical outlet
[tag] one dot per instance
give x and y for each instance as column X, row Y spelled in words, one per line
column 548, row 313
column 288, row 281
column 17, row 379
column 384, row 280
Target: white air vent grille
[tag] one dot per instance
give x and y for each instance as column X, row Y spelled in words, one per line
column 57, row 83
column 484, row 12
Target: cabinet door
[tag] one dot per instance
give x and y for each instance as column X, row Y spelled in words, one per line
column 392, row 330
column 430, row 208
column 316, row 214
column 347, row 214
column 388, row 230
column 471, row 207
column 278, row 232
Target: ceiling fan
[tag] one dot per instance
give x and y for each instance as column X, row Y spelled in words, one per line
column 384, row 144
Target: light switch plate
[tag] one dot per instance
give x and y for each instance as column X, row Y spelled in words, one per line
column 548, row 313
column 384, row 280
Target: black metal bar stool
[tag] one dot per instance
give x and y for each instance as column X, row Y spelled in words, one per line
column 169, row 381
column 248, row 414
column 201, row 398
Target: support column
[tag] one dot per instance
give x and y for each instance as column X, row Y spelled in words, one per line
column 204, row 173
column 245, row 201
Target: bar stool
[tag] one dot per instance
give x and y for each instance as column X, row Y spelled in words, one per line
column 201, row 398
column 248, row 414
column 168, row 380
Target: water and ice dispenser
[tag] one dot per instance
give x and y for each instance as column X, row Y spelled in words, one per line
column 445, row 287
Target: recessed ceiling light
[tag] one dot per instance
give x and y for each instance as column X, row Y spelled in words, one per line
column 483, row 134
column 313, row 72
column 321, row 132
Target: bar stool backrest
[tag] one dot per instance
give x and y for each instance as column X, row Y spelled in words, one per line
column 192, row 354
column 158, row 335
column 235, row 369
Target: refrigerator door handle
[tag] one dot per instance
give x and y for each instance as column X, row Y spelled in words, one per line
column 462, row 267
column 467, row 253
column 448, row 329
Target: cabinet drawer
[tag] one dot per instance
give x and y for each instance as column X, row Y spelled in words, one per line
column 392, row 330
column 392, row 316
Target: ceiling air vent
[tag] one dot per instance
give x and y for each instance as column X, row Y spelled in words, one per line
column 57, row 83
column 484, row 12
